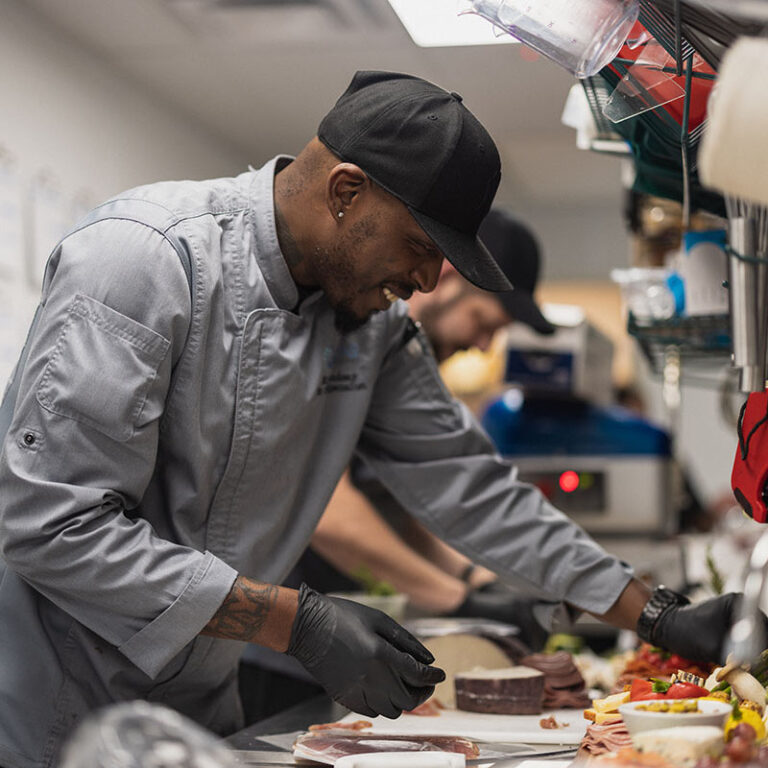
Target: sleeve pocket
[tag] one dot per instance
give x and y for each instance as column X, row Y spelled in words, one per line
column 101, row 369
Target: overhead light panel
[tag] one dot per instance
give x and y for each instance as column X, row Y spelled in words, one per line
column 436, row 23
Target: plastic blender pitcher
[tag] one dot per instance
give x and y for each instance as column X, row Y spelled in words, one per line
column 580, row 35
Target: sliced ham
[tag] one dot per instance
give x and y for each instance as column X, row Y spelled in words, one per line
column 601, row 739
column 330, row 745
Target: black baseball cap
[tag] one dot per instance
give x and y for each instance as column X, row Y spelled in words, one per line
column 422, row 145
column 516, row 251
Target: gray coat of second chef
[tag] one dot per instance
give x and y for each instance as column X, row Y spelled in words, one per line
column 164, row 442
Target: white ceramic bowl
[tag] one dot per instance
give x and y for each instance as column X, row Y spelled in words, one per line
column 403, row 759
column 711, row 713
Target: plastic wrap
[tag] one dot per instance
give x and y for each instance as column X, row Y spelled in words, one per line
column 138, row 734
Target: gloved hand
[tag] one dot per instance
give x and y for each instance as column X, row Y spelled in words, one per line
column 498, row 602
column 698, row 632
column 364, row 659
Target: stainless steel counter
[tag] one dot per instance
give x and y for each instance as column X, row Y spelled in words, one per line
column 254, row 752
column 320, row 709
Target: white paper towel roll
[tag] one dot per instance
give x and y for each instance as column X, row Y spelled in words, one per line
column 733, row 157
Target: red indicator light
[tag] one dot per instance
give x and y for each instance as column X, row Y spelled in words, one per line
column 569, row 481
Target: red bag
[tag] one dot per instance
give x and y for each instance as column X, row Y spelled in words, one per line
column 750, row 466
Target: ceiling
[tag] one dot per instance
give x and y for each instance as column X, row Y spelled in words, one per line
column 260, row 74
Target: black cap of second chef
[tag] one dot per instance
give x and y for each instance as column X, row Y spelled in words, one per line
column 516, row 251
column 421, row 144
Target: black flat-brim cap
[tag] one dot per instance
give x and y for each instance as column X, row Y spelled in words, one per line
column 422, row 145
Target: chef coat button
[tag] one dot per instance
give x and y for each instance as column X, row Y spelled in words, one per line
column 29, row 438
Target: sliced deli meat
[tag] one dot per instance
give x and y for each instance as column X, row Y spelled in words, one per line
column 601, row 739
column 508, row 691
column 355, row 725
column 330, row 745
column 564, row 686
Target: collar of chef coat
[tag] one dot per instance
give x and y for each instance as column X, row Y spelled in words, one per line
column 266, row 255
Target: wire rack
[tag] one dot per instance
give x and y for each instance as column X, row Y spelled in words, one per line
column 703, row 343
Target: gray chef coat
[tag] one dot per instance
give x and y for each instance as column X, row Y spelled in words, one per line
column 163, row 443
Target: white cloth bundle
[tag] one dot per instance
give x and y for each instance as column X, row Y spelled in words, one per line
column 733, row 157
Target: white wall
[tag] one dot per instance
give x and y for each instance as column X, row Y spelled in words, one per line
column 65, row 109
column 91, row 132
column 578, row 240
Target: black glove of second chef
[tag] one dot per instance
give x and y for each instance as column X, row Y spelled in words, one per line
column 497, row 602
column 365, row 660
column 697, row 632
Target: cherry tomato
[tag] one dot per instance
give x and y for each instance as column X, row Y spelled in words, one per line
column 681, row 690
column 642, row 690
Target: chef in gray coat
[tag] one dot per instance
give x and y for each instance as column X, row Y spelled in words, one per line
column 205, row 360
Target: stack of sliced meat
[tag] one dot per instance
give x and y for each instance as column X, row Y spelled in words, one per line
column 601, row 739
column 564, row 686
column 328, row 745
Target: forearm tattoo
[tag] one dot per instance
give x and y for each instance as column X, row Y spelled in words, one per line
column 244, row 611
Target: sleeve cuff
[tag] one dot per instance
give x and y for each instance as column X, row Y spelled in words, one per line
column 597, row 590
column 159, row 641
column 556, row 617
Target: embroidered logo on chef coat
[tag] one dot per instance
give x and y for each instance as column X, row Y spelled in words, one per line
column 340, row 363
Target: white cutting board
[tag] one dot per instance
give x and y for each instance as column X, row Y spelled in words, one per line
column 483, row 727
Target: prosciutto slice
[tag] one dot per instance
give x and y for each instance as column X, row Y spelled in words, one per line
column 330, row 745
column 356, row 725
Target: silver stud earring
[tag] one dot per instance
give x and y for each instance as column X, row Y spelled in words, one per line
column 341, row 214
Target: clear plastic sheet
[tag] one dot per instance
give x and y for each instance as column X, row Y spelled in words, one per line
column 138, row 734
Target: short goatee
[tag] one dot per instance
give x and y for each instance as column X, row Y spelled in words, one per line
column 346, row 321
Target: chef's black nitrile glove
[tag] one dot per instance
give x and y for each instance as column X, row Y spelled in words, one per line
column 364, row 659
column 496, row 601
column 697, row 632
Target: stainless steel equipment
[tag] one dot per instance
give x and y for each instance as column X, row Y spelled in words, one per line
column 748, row 236
column 747, row 636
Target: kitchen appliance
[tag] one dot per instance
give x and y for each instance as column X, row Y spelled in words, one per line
column 575, row 360
column 606, row 468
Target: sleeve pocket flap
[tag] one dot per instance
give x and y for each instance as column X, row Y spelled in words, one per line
column 101, row 369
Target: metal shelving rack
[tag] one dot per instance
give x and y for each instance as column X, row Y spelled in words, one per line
column 698, row 344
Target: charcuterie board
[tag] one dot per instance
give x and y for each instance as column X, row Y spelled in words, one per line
column 484, row 727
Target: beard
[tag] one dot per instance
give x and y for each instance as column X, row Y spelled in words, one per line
column 341, row 283
column 430, row 317
column 345, row 320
